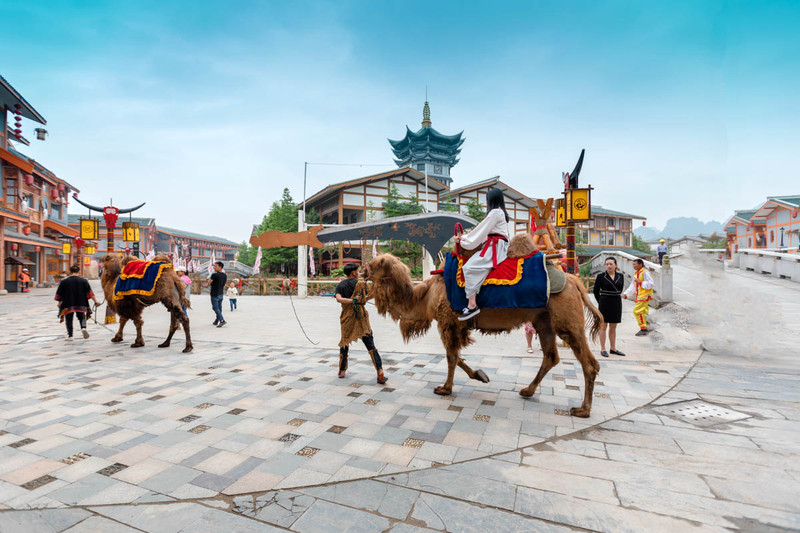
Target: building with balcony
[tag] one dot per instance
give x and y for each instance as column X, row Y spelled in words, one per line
column 33, row 202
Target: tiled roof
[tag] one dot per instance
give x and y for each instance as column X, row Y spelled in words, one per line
column 600, row 210
column 191, row 235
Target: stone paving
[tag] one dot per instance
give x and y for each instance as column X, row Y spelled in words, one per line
column 237, row 435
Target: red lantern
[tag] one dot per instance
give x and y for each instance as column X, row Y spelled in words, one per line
column 794, row 215
column 38, row 249
column 61, row 187
column 14, row 247
column 53, row 193
column 28, row 179
column 26, row 230
column 644, row 222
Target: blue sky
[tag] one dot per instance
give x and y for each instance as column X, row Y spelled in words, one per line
column 206, row 110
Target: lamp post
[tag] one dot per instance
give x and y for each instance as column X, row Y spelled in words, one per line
column 782, row 230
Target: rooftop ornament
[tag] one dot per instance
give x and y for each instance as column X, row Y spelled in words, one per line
column 41, row 133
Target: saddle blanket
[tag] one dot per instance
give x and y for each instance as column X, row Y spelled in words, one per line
column 517, row 282
column 139, row 277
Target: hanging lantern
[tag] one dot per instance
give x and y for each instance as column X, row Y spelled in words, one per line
column 89, row 249
column 87, row 261
column 130, row 231
column 41, row 133
column 89, row 228
column 18, row 120
column 53, row 194
column 14, row 247
column 65, row 248
column 578, row 204
column 26, row 230
column 28, row 179
column 644, row 223
column 38, row 249
column 61, row 187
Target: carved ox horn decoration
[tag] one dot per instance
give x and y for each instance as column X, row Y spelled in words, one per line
column 100, row 209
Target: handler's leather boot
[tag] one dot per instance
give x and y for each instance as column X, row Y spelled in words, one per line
column 343, row 360
column 376, row 360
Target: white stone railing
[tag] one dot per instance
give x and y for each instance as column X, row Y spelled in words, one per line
column 778, row 264
column 662, row 276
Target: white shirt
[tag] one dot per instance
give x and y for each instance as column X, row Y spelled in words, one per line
column 647, row 283
column 494, row 223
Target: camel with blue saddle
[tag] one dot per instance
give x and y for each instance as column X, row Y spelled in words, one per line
column 524, row 288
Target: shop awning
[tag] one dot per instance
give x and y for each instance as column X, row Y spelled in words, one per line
column 61, row 228
column 19, row 261
column 15, row 236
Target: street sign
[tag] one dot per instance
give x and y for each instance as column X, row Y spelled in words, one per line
column 578, row 205
column 89, row 229
column 561, row 213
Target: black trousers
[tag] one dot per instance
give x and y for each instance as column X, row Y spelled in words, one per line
column 661, row 258
column 369, row 343
column 81, row 321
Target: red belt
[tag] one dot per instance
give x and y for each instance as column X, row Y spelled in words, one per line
column 492, row 241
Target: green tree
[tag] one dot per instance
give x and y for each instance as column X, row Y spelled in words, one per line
column 395, row 206
column 640, row 245
column 449, row 205
column 717, row 243
column 475, row 209
column 282, row 216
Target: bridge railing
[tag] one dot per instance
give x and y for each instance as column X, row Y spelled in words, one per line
column 778, row 264
column 662, row 275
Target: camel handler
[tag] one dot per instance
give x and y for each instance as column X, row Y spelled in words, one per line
column 353, row 294
column 642, row 289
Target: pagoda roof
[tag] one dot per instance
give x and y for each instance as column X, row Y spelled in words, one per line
column 497, row 184
column 427, row 143
column 10, row 96
column 331, row 190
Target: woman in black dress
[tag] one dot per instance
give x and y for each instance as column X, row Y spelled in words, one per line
column 608, row 289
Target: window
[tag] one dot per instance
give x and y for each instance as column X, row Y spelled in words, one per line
column 437, row 169
column 55, row 210
column 421, row 167
column 610, row 238
column 771, row 236
column 627, row 239
column 610, row 222
column 625, row 224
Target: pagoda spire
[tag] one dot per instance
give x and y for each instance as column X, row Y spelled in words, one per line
column 426, row 115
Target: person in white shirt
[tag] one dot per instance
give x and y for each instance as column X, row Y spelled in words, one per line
column 492, row 235
column 232, row 294
column 662, row 251
column 641, row 289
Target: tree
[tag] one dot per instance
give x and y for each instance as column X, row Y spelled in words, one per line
column 475, row 209
column 640, row 244
column 717, row 243
column 395, row 206
column 282, row 216
column 449, row 205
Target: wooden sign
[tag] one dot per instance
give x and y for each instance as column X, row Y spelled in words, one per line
column 561, row 213
column 130, row 232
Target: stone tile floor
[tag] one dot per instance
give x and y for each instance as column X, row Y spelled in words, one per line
column 97, row 437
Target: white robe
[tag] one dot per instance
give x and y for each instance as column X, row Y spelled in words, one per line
column 477, row 268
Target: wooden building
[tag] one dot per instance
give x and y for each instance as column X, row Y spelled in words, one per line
column 33, row 202
column 774, row 225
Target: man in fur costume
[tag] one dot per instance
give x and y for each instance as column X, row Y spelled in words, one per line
column 353, row 294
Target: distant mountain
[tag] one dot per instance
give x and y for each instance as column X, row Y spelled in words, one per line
column 679, row 227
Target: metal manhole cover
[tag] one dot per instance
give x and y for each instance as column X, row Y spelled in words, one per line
column 700, row 413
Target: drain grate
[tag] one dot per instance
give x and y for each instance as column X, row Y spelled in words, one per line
column 700, row 413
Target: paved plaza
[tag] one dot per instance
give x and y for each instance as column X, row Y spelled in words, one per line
column 695, row 430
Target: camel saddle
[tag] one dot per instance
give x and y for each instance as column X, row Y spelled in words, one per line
column 517, row 282
column 139, row 278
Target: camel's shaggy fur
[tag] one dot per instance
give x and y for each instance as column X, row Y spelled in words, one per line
column 416, row 307
column 169, row 291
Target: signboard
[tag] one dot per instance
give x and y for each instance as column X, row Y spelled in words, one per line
column 130, row 232
column 578, row 205
column 65, row 248
column 87, row 261
column 89, row 229
column 90, row 249
column 561, row 213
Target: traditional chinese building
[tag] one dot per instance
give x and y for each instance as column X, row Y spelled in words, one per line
column 518, row 205
column 775, row 224
column 33, row 201
column 427, row 151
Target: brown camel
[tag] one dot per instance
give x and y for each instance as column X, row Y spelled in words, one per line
column 415, row 307
column 169, row 291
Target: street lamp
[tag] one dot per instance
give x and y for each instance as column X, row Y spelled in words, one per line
column 41, row 133
column 782, row 237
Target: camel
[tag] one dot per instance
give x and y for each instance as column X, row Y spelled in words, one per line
column 416, row 307
column 170, row 291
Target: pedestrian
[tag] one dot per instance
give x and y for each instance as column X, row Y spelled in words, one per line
column 25, row 280
column 530, row 331
column 72, row 297
column 662, row 251
column 641, row 288
column 217, row 281
column 492, row 235
column 232, row 294
column 352, row 293
column 608, row 288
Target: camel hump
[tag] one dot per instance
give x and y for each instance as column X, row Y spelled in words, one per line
column 521, row 245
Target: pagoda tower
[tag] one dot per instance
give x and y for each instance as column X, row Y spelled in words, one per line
column 427, row 150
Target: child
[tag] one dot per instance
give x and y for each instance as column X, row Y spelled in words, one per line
column 232, row 294
column 492, row 234
column 188, row 290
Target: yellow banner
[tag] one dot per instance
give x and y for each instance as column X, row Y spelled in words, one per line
column 578, row 205
column 561, row 213
column 89, row 229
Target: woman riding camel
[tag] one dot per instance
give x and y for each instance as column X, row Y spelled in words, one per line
column 492, row 234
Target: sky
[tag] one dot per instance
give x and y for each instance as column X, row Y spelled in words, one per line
column 207, row 110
